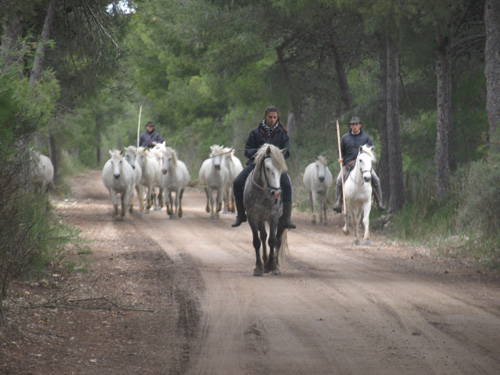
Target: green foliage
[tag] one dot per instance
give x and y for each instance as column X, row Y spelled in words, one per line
column 479, row 208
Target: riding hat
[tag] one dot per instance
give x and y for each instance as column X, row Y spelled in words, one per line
column 355, row 120
column 150, row 124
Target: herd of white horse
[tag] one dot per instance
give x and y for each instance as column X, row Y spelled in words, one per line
column 148, row 170
column 145, row 170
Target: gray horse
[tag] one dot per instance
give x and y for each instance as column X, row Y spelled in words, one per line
column 262, row 200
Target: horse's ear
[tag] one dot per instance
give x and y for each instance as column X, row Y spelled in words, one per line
column 326, row 157
column 268, row 151
column 284, row 151
column 360, row 149
column 110, row 153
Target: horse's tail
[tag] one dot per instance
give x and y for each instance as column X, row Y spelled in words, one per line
column 284, row 247
column 194, row 183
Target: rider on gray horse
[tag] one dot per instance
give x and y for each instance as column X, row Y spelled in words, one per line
column 349, row 146
column 270, row 130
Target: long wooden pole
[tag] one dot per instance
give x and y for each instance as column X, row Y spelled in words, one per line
column 139, row 126
column 341, row 168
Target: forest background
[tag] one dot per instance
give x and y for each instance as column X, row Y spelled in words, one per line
column 424, row 77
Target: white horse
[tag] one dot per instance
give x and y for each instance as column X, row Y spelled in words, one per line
column 118, row 177
column 234, row 168
column 150, row 174
column 42, row 171
column 131, row 157
column 358, row 194
column 174, row 178
column 317, row 180
column 214, row 174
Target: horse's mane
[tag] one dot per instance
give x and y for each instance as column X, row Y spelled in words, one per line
column 275, row 154
column 117, row 154
column 229, row 152
column 216, row 150
column 322, row 160
column 131, row 149
column 369, row 150
column 171, row 152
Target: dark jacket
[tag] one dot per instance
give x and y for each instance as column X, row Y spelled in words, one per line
column 146, row 138
column 349, row 145
column 258, row 137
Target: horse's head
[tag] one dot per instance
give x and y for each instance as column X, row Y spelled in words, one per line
column 168, row 158
column 321, row 164
column 217, row 156
column 365, row 161
column 116, row 162
column 131, row 155
column 271, row 163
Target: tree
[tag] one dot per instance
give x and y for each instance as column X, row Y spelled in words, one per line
column 492, row 71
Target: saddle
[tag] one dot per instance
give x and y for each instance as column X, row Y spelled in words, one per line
column 349, row 167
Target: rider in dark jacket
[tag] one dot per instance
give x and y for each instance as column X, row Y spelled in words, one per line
column 349, row 146
column 270, row 131
column 150, row 137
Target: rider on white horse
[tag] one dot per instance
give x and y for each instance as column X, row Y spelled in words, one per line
column 349, row 146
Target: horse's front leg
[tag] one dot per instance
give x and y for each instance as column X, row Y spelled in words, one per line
column 114, row 198
column 356, row 221
column 175, row 203
column 258, row 270
column 322, row 209
column 263, row 241
column 207, row 193
column 312, row 197
column 347, row 218
column 273, row 248
column 138, row 189
column 366, row 221
column 169, row 203
column 220, row 194
column 180, row 202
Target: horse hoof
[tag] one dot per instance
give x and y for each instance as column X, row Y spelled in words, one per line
column 257, row 272
column 277, row 272
column 357, row 243
column 325, row 224
column 313, row 222
column 367, row 242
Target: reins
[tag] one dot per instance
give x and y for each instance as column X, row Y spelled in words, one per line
column 268, row 186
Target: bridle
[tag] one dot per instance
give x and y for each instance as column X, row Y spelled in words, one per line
column 270, row 188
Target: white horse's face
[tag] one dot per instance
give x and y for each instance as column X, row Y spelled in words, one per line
column 272, row 176
column 166, row 161
column 116, row 163
column 365, row 166
column 320, row 170
column 130, row 157
column 217, row 158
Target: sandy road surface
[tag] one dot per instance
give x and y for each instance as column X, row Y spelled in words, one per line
column 336, row 308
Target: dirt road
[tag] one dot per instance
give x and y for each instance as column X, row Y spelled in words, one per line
column 336, row 308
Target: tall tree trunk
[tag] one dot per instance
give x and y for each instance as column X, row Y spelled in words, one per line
column 492, row 71
column 383, row 166
column 291, row 114
column 36, row 72
column 11, row 26
column 396, row 200
column 345, row 93
column 444, row 124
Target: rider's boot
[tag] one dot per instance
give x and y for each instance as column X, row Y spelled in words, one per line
column 285, row 219
column 338, row 199
column 377, row 193
column 241, row 217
